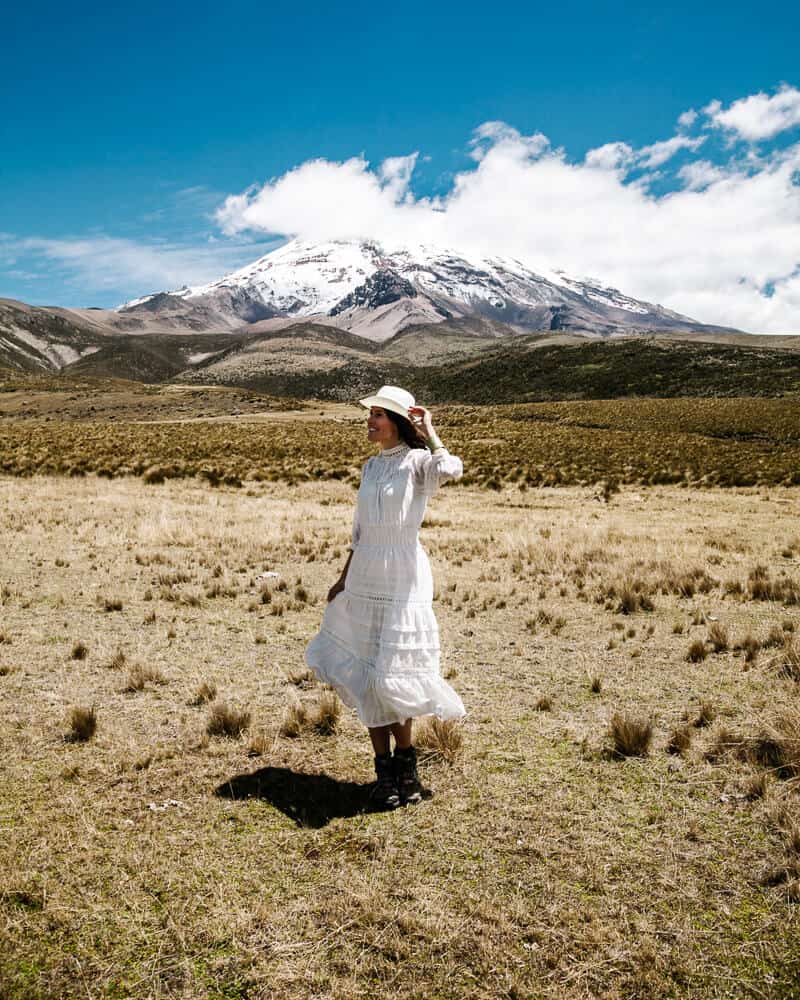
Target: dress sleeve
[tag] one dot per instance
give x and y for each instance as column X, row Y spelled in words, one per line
column 434, row 469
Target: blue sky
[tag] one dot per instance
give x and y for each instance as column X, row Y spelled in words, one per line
column 124, row 129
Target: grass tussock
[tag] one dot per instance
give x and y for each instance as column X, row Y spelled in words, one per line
column 82, row 724
column 440, row 739
column 325, row 717
column 205, row 692
column 295, row 719
column 112, row 604
column 227, row 720
column 139, row 676
column 629, row 596
column 630, row 736
column 788, row 660
column 718, row 638
column 79, row 651
column 680, row 740
column 705, row 715
column 750, row 646
column 697, row 651
column 118, row 660
column 301, row 677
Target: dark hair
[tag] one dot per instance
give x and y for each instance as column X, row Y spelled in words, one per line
column 407, row 431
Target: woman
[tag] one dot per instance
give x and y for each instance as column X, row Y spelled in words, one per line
column 378, row 645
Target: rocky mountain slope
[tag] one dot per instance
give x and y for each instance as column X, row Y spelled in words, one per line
column 374, row 291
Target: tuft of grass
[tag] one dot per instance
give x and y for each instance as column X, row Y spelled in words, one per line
column 750, row 646
column 225, row 720
column 82, row 724
column 792, row 841
column 118, row 660
column 630, row 736
column 260, row 743
column 755, row 787
column 595, row 684
column 5, row 638
column 680, row 740
column 79, row 651
column 631, row 595
column 205, row 693
column 705, row 715
column 788, row 661
column 544, row 703
column 718, row 637
column 301, row 677
column 325, row 718
column 112, row 604
column 697, row 651
column 139, row 677
column 295, row 719
column 442, row 739
column 775, row 639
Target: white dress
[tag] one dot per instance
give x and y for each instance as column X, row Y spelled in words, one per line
column 378, row 644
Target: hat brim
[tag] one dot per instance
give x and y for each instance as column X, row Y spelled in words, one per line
column 385, row 404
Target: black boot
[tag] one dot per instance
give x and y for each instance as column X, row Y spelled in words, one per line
column 405, row 762
column 384, row 794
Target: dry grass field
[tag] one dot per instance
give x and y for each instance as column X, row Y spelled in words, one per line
column 185, row 814
column 228, row 436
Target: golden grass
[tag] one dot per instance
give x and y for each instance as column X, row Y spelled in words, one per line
column 630, row 736
column 440, row 739
column 82, row 723
column 538, row 868
column 743, row 442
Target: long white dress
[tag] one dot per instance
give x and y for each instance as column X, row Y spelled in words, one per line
column 378, row 644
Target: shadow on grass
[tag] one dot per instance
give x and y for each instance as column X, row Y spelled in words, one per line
column 311, row 800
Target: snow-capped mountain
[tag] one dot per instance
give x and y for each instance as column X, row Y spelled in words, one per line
column 368, row 289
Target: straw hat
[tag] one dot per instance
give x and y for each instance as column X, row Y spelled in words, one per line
column 390, row 397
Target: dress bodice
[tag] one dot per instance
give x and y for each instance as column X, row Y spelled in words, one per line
column 394, row 491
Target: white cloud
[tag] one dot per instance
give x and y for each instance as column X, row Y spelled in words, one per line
column 98, row 263
column 612, row 156
column 758, row 116
column 708, row 248
column 700, row 174
column 659, row 152
column 687, row 119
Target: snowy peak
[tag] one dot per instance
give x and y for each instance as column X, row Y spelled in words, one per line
column 369, row 289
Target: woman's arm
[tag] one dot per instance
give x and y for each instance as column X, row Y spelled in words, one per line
column 438, row 466
column 338, row 587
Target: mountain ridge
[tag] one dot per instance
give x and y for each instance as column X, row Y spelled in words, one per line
column 369, row 289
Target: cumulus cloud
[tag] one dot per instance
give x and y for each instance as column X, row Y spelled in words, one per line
column 659, row 152
column 717, row 241
column 758, row 116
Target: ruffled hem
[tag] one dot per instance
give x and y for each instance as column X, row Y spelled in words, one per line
column 381, row 699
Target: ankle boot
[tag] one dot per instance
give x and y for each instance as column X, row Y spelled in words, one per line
column 408, row 786
column 385, row 794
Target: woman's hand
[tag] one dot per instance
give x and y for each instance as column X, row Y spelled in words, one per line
column 337, row 588
column 420, row 417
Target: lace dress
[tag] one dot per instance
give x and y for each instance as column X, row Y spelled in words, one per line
column 378, row 644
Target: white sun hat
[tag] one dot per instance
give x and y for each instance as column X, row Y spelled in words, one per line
column 390, row 397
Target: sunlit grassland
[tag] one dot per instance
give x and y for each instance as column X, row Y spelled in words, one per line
column 192, row 841
column 724, row 442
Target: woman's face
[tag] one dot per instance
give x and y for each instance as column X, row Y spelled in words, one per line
column 380, row 429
